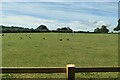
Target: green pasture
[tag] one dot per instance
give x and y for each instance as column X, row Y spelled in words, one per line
column 59, row 49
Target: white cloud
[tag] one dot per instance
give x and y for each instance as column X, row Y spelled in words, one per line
column 88, row 25
column 25, row 21
column 100, row 23
column 32, row 22
column 75, row 12
column 55, row 17
column 77, row 25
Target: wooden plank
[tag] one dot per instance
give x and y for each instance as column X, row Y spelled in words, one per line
column 33, row 70
column 70, row 72
column 56, row 70
column 98, row 69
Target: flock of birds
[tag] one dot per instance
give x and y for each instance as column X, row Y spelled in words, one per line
column 43, row 38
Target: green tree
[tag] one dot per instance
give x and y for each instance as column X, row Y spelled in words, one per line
column 103, row 29
column 42, row 28
column 97, row 30
column 64, row 29
column 118, row 26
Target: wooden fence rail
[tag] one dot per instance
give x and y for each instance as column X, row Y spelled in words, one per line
column 70, row 70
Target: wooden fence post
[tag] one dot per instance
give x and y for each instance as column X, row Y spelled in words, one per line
column 70, row 71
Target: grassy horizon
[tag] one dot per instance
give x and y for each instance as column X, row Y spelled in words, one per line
column 83, row 50
column 47, row 50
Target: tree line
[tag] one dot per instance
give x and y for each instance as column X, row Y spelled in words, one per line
column 43, row 28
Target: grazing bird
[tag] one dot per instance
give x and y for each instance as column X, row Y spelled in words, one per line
column 2, row 34
column 21, row 38
column 43, row 38
column 29, row 37
column 60, row 39
column 67, row 39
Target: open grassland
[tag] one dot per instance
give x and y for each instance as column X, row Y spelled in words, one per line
column 59, row 49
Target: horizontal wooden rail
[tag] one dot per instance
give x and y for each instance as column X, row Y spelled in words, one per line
column 33, row 70
column 98, row 69
column 57, row 70
column 70, row 70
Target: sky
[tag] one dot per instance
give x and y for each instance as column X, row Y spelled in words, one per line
column 78, row 15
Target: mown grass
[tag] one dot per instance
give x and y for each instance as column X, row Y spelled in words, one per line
column 83, row 50
column 62, row 75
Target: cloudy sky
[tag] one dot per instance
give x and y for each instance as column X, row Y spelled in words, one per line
column 78, row 15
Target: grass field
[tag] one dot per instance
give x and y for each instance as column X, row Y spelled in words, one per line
column 59, row 49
